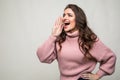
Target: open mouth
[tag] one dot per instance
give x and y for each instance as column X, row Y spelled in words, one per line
column 66, row 23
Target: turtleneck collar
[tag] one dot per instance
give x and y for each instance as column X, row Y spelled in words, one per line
column 73, row 34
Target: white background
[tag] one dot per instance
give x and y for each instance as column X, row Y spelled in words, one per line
column 26, row 24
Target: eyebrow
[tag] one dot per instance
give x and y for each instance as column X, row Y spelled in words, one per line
column 67, row 13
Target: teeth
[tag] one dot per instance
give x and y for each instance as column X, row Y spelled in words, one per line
column 66, row 22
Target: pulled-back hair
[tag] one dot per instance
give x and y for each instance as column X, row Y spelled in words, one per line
column 86, row 36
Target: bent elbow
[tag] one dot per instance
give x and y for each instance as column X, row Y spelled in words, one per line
column 40, row 57
column 43, row 59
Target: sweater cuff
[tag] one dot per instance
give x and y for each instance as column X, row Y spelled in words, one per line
column 53, row 38
column 101, row 73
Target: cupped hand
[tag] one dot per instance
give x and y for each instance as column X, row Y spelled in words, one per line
column 58, row 26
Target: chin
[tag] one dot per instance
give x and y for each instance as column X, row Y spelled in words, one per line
column 66, row 30
column 69, row 29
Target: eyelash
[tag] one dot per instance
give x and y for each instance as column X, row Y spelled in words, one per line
column 68, row 15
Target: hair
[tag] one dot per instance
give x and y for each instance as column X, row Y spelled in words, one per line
column 86, row 36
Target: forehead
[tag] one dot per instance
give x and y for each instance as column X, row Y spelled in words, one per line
column 68, row 10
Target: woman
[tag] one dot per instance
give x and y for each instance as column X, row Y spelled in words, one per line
column 76, row 48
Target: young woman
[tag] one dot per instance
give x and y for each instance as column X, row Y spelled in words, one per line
column 76, row 48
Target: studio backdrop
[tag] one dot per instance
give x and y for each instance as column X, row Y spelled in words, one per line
column 26, row 24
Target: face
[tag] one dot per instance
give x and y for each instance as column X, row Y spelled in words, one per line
column 68, row 20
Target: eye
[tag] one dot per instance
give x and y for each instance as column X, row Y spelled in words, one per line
column 63, row 15
column 70, row 15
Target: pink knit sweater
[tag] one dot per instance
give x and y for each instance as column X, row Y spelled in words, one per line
column 70, row 61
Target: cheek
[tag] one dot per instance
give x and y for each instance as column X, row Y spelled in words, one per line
column 73, row 23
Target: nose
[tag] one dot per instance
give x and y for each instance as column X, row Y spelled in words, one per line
column 65, row 17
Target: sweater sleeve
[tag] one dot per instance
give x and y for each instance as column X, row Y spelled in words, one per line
column 106, row 57
column 46, row 52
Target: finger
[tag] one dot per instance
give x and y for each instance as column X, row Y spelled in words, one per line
column 86, row 76
column 56, row 22
column 60, row 22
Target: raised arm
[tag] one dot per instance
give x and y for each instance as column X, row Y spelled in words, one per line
column 47, row 52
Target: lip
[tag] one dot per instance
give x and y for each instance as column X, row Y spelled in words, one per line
column 66, row 21
column 65, row 26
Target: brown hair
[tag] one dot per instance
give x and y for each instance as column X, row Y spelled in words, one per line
column 86, row 36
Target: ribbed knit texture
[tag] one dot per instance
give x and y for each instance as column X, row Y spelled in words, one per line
column 70, row 58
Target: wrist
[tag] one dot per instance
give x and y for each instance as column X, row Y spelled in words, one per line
column 55, row 35
column 101, row 73
column 97, row 76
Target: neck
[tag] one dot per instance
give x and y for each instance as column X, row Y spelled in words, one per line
column 73, row 33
